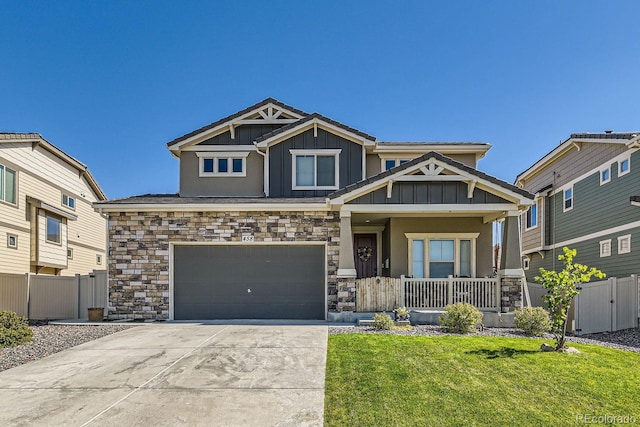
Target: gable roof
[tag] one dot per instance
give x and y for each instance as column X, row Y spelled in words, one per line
column 628, row 138
column 37, row 139
column 385, row 176
column 315, row 117
column 217, row 123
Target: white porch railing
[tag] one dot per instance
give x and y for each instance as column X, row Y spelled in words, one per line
column 385, row 294
column 483, row 293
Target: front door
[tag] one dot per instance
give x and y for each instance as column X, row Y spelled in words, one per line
column 366, row 255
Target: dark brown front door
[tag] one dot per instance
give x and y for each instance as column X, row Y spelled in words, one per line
column 365, row 252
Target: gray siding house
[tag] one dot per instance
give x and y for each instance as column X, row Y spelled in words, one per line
column 584, row 198
column 282, row 214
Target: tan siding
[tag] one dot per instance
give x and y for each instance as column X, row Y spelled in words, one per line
column 84, row 259
column 467, row 159
column 43, row 176
column 373, row 165
column 14, row 261
column 51, row 253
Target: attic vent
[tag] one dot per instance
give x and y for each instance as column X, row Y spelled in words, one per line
column 608, row 131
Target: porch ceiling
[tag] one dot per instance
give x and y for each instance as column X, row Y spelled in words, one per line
column 374, row 218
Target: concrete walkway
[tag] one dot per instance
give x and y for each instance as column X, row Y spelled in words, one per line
column 175, row 374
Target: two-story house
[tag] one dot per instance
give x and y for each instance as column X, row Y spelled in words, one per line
column 584, row 191
column 47, row 222
column 279, row 212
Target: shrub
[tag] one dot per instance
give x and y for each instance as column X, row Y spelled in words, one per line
column 14, row 330
column 382, row 321
column 460, row 318
column 532, row 320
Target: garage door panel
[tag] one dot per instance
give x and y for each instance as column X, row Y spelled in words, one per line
column 249, row 281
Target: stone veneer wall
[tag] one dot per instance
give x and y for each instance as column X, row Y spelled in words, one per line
column 139, row 250
column 511, row 293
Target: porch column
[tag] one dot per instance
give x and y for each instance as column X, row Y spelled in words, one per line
column 346, row 263
column 511, row 272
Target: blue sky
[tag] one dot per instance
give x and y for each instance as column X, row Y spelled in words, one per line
column 110, row 82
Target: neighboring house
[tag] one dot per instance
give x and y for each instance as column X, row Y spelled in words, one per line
column 280, row 211
column 47, row 223
column 585, row 190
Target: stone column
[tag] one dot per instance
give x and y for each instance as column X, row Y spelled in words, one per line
column 511, row 272
column 346, row 263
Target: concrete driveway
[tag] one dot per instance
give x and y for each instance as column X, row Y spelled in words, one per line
column 175, row 374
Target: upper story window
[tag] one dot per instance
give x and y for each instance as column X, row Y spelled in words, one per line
column 392, row 163
column 624, row 244
column 605, row 248
column 12, row 241
column 315, row 169
column 54, row 229
column 624, row 166
column 532, row 216
column 7, row 184
column 229, row 164
column 605, row 175
column 68, row 201
column 568, row 199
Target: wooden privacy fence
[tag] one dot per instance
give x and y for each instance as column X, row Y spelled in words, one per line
column 604, row 306
column 385, row 293
column 39, row 297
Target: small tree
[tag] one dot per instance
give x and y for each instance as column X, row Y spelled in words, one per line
column 561, row 291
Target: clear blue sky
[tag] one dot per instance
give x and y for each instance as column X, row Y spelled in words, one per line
column 110, row 82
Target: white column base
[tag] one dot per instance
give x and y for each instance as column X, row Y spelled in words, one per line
column 511, row 272
column 346, row 273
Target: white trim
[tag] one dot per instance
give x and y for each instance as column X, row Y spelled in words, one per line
column 601, row 173
column 526, row 262
column 605, row 248
column 240, row 120
column 586, row 237
column 628, row 159
column 335, row 152
column 216, row 148
column 561, row 150
column 230, row 156
column 257, row 243
column 364, row 163
column 564, row 199
column 621, row 239
column 346, row 273
column 456, row 237
column 312, row 124
column 481, row 209
column 422, row 148
column 213, row 207
column 68, row 205
column 481, row 183
column 594, row 170
column 533, row 227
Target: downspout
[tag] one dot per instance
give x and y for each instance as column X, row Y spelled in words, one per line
column 265, row 169
column 525, row 286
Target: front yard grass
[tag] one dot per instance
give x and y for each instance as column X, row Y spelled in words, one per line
column 390, row 380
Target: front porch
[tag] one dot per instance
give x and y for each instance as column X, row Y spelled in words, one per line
column 377, row 294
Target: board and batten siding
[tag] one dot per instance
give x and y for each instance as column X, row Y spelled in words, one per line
column 43, row 176
column 281, row 162
column 568, row 167
column 434, row 192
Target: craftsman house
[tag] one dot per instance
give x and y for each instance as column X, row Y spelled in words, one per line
column 281, row 214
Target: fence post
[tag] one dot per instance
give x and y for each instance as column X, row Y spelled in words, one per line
column 450, row 289
column 28, row 294
column 613, row 288
column 79, row 296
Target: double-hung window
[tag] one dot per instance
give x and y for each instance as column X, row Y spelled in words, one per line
column 439, row 255
column 315, row 169
column 568, row 199
column 7, row 184
column 532, row 216
column 229, row 164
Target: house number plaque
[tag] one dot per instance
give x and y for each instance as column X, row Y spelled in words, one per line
column 248, row 239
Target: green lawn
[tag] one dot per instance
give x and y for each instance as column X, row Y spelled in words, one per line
column 389, row 380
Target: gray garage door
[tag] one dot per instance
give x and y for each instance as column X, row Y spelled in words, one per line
column 249, row 282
